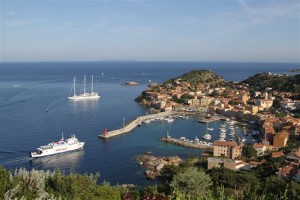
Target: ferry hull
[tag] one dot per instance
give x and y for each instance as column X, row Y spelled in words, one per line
column 50, row 152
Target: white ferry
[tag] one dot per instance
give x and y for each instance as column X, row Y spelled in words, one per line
column 61, row 146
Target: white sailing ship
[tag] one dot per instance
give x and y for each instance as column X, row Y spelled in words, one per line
column 206, row 136
column 61, row 146
column 85, row 95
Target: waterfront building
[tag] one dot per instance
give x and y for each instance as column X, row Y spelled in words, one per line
column 205, row 101
column 229, row 149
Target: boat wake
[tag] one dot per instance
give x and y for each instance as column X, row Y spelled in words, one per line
column 12, row 152
column 12, row 103
column 21, row 159
column 51, row 103
column 37, row 82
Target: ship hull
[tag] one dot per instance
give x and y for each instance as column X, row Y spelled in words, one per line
column 76, row 98
column 65, row 149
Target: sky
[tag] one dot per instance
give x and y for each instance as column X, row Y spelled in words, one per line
column 150, row 30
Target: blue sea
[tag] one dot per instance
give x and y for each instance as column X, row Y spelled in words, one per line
column 28, row 90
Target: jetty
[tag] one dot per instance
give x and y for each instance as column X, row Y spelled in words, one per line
column 208, row 120
column 187, row 143
column 133, row 124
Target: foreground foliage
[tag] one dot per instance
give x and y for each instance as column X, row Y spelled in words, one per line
column 186, row 181
column 34, row 184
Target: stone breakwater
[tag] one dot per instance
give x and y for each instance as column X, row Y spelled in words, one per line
column 187, row 144
column 154, row 164
column 135, row 123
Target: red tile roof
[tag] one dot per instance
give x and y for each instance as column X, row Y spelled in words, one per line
column 277, row 154
column 225, row 143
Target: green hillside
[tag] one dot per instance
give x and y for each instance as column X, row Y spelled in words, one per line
column 200, row 77
column 277, row 82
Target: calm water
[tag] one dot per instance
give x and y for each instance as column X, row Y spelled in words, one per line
column 27, row 90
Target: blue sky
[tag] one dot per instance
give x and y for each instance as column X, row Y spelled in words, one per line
column 150, row 30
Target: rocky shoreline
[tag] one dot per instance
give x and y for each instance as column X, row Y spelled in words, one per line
column 155, row 164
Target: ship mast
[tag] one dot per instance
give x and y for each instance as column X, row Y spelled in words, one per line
column 92, row 87
column 84, row 80
column 74, row 86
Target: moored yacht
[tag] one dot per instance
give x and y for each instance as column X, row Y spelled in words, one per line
column 206, row 136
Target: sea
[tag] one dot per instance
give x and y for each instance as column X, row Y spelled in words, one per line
column 34, row 111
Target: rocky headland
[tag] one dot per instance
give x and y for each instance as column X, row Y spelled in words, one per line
column 155, row 164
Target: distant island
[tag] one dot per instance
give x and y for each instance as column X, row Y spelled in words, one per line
column 130, row 83
column 294, row 70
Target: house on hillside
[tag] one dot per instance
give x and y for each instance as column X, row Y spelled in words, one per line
column 220, row 162
column 280, row 139
column 260, row 149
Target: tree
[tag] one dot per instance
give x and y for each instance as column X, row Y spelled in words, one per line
column 175, row 98
column 4, row 181
column 249, row 152
column 186, row 96
column 191, row 183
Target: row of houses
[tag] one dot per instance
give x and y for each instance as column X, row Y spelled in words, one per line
column 290, row 170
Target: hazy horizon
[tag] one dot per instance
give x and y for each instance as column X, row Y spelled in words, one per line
column 187, row 61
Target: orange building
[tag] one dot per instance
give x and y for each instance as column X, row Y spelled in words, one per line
column 227, row 148
column 280, row 139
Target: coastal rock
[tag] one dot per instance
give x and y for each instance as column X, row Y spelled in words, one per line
column 154, row 165
column 159, row 167
column 131, row 83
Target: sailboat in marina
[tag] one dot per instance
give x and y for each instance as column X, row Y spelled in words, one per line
column 85, row 95
column 206, row 136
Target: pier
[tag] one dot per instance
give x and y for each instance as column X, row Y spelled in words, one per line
column 187, row 144
column 208, row 120
column 134, row 124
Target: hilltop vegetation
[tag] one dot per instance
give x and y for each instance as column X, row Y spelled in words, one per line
column 195, row 77
column 281, row 83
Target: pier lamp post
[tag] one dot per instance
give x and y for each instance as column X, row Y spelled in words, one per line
column 123, row 122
